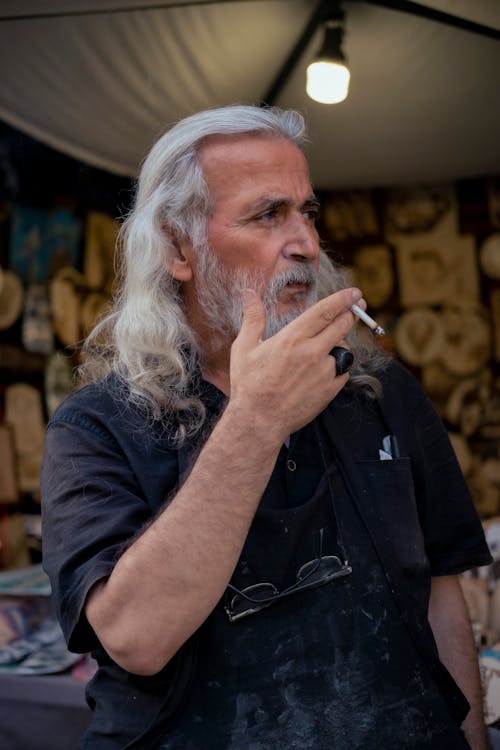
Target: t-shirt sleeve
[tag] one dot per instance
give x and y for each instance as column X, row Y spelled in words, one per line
column 92, row 507
column 453, row 533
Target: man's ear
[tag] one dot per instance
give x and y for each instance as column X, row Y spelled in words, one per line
column 178, row 264
column 179, row 267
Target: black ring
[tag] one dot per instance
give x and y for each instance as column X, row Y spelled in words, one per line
column 343, row 359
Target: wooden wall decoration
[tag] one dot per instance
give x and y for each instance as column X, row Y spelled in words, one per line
column 489, row 257
column 374, row 274
column 420, row 336
column 425, row 256
column 66, row 290
column 419, row 209
column 350, row 215
column 493, row 193
column 11, row 298
column 495, row 312
column 24, row 414
column 99, row 254
column 9, row 492
column 53, row 210
column 441, row 259
column 43, row 241
column 434, row 269
column 467, row 337
column 37, row 334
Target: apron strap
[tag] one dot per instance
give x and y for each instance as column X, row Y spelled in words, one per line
column 367, row 511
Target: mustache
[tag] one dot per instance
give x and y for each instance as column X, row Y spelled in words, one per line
column 300, row 274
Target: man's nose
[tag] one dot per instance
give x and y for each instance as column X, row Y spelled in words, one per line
column 302, row 241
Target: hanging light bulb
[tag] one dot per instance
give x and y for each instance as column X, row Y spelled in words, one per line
column 328, row 75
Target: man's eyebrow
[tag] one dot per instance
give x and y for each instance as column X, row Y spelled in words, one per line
column 312, row 201
column 265, row 203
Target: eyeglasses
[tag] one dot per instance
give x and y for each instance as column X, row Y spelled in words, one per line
column 317, row 572
column 261, row 595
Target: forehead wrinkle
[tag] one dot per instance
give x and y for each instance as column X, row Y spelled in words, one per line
column 248, row 153
column 258, row 173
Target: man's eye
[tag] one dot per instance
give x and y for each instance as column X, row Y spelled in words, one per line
column 312, row 214
column 268, row 215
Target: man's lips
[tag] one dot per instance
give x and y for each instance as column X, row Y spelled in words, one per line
column 295, row 287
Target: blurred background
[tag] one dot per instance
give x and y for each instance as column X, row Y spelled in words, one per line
column 407, row 167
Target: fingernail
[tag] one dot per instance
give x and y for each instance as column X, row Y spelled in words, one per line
column 356, row 295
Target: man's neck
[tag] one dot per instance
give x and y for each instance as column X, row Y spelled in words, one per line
column 216, row 353
column 220, row 379
column 215, row 368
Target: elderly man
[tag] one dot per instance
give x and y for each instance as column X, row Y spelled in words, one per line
column 260, row 551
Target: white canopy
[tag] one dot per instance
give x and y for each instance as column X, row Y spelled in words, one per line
column 424, row 102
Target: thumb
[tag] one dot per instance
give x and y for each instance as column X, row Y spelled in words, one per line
column 254, row 318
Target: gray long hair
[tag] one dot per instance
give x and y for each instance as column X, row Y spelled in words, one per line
column 145, row 339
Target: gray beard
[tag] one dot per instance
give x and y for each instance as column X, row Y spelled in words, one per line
column 218, row 290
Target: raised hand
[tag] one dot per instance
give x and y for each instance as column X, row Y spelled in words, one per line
column 285, row 381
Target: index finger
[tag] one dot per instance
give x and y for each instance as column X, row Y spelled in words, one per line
column 318, row 317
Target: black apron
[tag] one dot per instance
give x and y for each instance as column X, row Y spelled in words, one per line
column 342, row 666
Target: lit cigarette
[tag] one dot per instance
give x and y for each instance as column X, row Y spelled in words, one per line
column 378, row 330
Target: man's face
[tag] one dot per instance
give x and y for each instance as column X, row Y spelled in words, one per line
column 261, row 232
column 218, row 294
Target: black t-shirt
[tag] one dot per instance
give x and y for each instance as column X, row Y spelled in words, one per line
column 106, row 473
